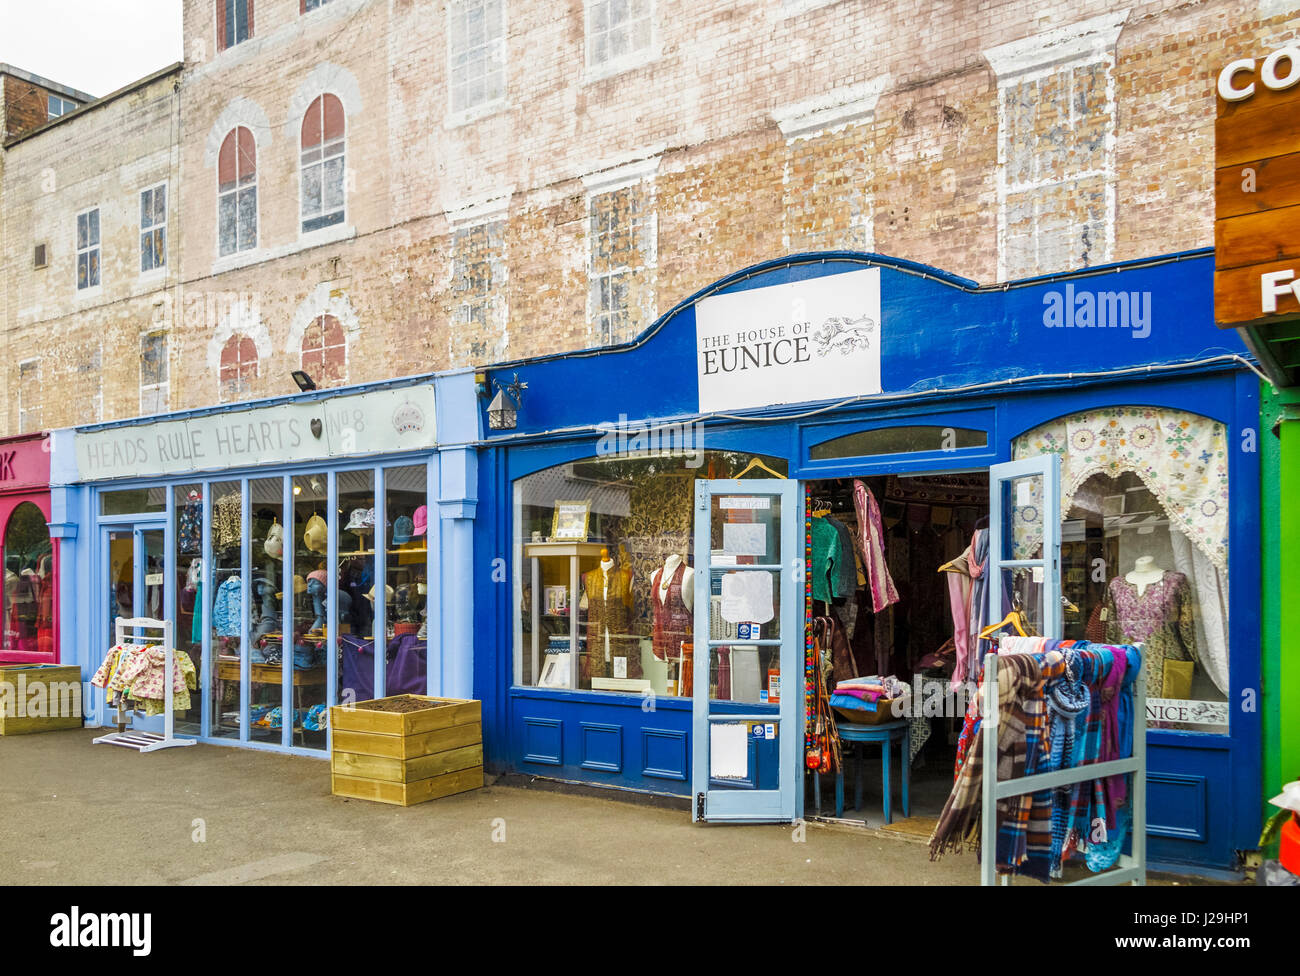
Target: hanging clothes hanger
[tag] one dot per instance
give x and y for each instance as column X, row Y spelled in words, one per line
column 1014, row 619
column 756, row 462
column 957, row 564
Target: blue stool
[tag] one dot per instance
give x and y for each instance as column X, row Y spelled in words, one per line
column 885, row 735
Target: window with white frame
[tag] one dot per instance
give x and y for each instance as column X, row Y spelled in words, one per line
column 479, row 286
column 617, row 30
column 323, row 195
column 154, row 386
column 476, row 42
column 90, row 373
column 88, row 249
column 234, row 22
column 153, row 228
column 237, row 192
column 56, row 106
column 29, row 395
column 1056, row 133
column 311, row 5
column 621, row 279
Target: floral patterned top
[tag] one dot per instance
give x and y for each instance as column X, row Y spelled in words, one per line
column 1161, row 618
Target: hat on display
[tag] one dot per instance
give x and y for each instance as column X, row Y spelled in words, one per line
column 274, row 544
column 361, row 519
column 388, row 593
column 319, row 576
column 315, row 536
column 420, row 520
column 299, row 586
column 402, row 530
column 1289, row 798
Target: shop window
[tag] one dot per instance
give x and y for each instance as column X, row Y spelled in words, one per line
column 237, row 192
column 187, row 541
column 88, row 249
column 625, row 526
column 133, row 501
column 355, row 539
column 325, row 351
column 479, row 284
column 154, row 383
column 617, row 31
column 476, row 52
column 29, row 396
column 304, row 634
column 322, row 164
column 29, row 582
column 623, row 256
column 234, row 22
column 898, row 440
column 238, row 367
column 405, row 578
column 1145, row 547
column 227, row 603
column 153, row 228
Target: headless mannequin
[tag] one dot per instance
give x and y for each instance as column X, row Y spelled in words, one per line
column 665, row 577
column 1145, row 572
column 608, row 599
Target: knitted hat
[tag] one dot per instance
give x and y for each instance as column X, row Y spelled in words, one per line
column 420, row 520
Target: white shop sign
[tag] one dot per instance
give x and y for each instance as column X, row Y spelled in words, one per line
column 379, row 422
column 817, row 339
column 1187, row 711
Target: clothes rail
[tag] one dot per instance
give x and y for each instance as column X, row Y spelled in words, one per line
column 146, row 630
column 1131, row 868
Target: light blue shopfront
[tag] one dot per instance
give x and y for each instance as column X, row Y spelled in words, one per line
column 281, row 537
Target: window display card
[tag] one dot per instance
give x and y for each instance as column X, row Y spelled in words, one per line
column 748, row 596
column 728, row 750
column 744, row 539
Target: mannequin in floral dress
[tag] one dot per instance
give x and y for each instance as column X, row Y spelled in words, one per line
column 1154, row 607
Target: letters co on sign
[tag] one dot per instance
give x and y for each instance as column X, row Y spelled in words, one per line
column 1257, row 190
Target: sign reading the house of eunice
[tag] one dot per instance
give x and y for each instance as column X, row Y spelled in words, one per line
column 1257, row 190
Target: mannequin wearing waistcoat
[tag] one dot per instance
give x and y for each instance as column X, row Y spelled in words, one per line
column 672, row 595
column 608, row 595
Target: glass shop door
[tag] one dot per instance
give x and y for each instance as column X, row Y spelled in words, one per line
column 1025, row 543
column 746, row 673
column 135, row 569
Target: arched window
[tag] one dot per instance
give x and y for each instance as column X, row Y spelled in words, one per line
column 325, row 351
column 29, row 582
column 238, row 366
column 322, row 164
column 237, row 192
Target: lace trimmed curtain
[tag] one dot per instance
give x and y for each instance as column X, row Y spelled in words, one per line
column 1180, row 457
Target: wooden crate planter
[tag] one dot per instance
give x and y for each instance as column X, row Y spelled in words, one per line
column 406, row 757
column 17, row 684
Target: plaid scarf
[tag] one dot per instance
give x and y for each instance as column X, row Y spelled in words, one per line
column 1019, row 676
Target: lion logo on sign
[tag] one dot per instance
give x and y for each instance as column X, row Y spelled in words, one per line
column 843, row 335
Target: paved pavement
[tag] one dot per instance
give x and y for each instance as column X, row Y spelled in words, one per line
column 73, row 813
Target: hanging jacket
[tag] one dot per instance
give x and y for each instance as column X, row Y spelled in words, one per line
column 227, row 608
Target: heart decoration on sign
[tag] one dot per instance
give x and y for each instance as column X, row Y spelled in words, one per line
column 316, row 427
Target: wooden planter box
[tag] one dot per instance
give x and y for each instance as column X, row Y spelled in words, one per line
column 60, row 698
column 407, row 757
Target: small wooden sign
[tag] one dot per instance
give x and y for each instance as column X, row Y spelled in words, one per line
column 1257, row 191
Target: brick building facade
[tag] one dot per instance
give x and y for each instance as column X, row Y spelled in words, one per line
column 366, row 189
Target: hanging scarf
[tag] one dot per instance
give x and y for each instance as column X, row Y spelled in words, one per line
column 1067, row 702
column 871, row 536
column 1017, row 678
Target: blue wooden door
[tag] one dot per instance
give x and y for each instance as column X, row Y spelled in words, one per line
column 747, row 694
column 1025, row 542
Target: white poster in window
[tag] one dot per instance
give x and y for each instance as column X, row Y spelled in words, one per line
column 744, row 539
column 728, row 750
column 816, row 339
column 748, row 596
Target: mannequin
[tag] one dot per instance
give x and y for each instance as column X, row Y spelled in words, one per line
column 672, row 597
column 611, row 650
column 1145, row 572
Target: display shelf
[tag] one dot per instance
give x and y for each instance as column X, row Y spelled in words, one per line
column 574, row 552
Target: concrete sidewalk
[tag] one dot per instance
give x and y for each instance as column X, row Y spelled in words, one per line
column 73, row 813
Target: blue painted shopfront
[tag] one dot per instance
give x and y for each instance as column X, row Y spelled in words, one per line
column 125, row 549
column 998, row 361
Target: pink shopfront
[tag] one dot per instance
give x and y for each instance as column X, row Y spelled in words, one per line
column 31, row 561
